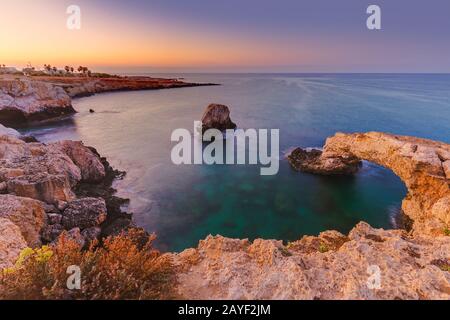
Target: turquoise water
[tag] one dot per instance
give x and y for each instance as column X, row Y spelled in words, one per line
column 183, row 204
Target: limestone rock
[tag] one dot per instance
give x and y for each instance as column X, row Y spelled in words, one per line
column 217, row 116
column 84, row 213
column 37, row 171
column 11, row 243
column 61, row 205
column 75, row 235
column 410, row 268
column 326, row 241
column 420, row 163
column 92, row 169
column 51, row 232
column 49, row 208
column 82, row 86
column 54, row 218
column 23, row 101
column 3, row 187
column 446, row 167
column 47, row 172
column 9, row 131
column 27, row 214
column 91, row 234
column 117, row 226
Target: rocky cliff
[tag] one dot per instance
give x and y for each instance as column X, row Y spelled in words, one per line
column 331, row 266
column 39, row 186
column 82, row 86
column 23, row 101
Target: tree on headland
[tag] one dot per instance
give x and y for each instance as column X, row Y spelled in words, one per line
column 67, row 69
column 84, row 71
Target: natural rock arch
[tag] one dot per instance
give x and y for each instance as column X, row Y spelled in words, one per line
column 423, row 165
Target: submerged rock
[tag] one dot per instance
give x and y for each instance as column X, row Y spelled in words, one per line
column 217, row 116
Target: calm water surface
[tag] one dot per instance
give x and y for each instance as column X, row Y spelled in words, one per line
column 183, row 204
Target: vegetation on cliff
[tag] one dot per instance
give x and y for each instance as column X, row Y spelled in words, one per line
column 122, row 267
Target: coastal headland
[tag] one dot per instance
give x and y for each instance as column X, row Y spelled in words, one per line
column 26, row 100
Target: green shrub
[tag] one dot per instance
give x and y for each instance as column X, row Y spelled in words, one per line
column 323, row 248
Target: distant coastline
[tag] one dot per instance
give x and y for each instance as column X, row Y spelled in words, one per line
column 31, row 96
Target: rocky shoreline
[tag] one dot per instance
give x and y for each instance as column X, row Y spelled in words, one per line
column 331, row 266
column 55, row 188
column 27, row 100
column 63, row 187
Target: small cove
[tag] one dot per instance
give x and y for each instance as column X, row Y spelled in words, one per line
column 184, row 204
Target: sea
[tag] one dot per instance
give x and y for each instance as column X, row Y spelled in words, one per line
column 183, row 204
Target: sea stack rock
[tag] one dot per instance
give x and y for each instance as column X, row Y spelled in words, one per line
column 217, row 116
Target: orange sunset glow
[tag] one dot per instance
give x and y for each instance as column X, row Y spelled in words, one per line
column 40, row 36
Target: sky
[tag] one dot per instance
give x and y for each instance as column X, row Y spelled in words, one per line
column 228, row 36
